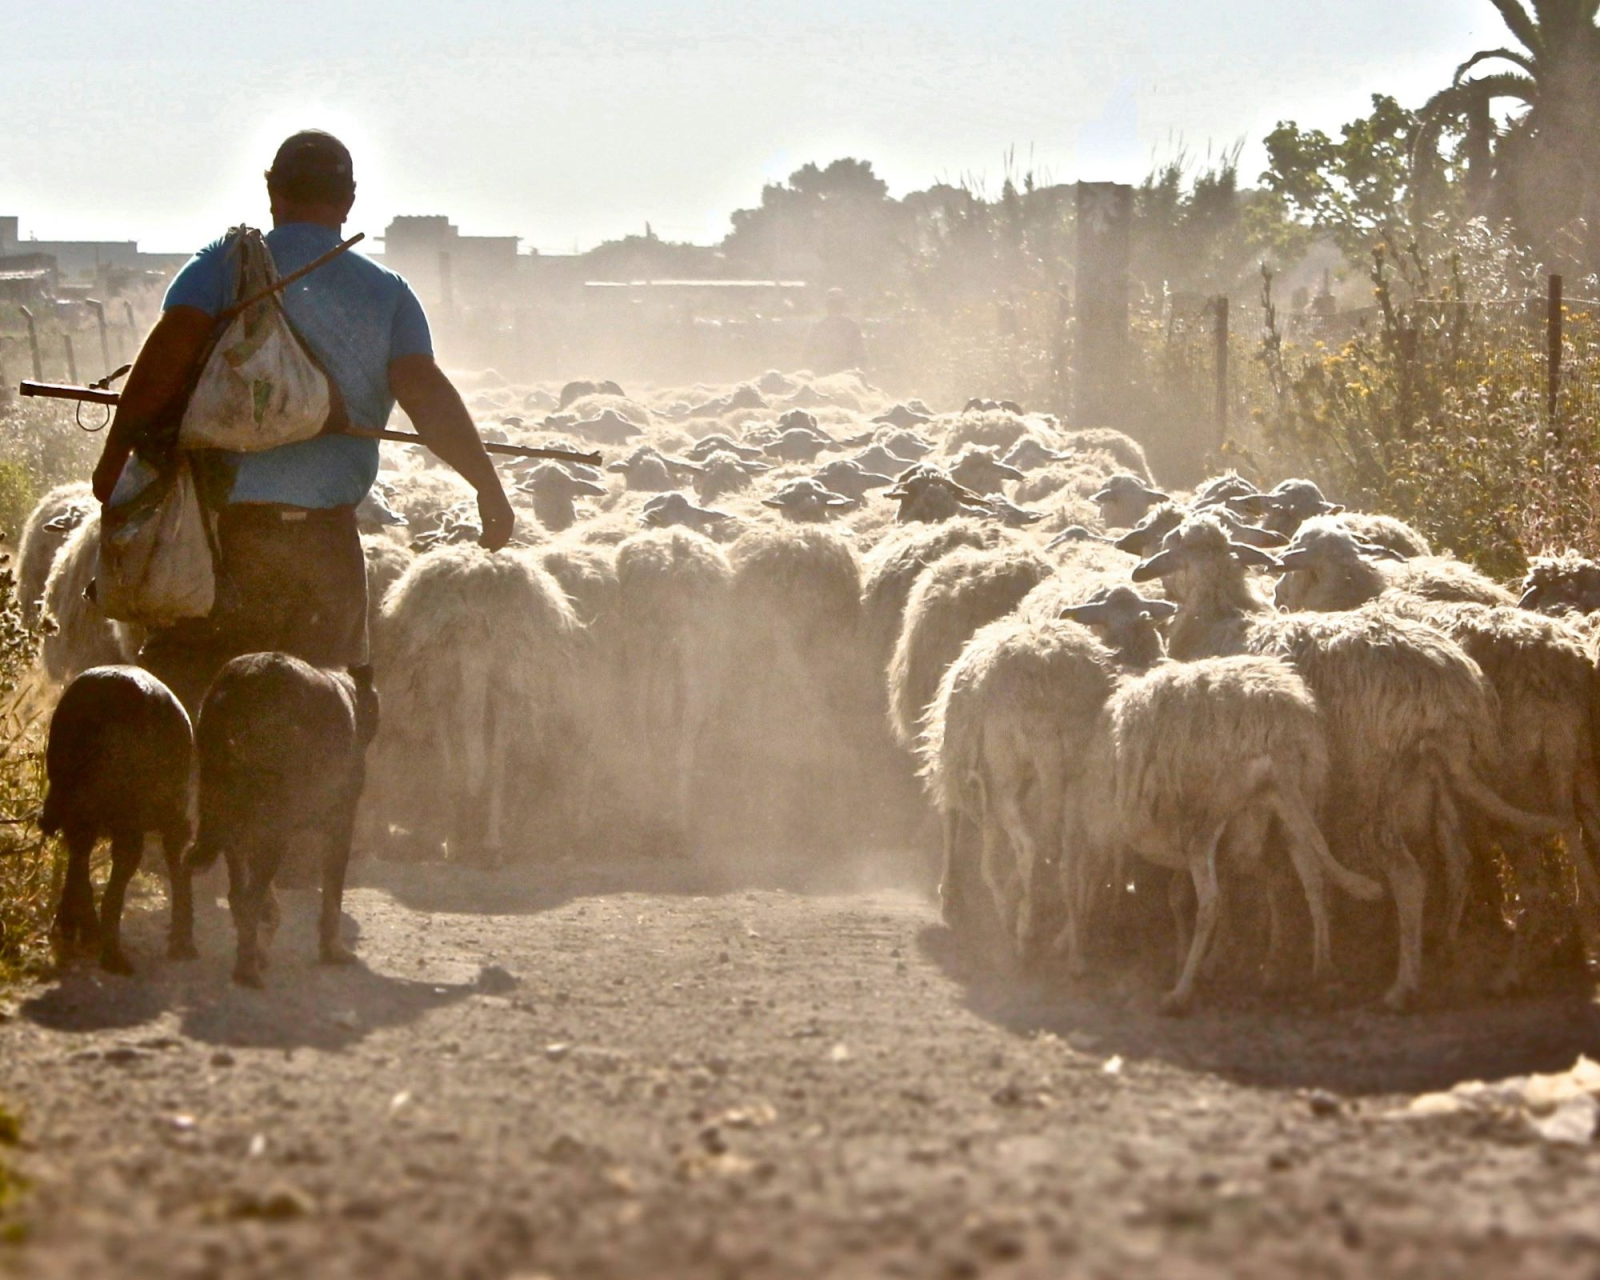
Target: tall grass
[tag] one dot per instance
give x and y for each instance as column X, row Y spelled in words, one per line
column 1435, row 410
column 29, row 867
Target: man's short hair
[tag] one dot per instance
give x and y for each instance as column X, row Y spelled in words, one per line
column 312, row 167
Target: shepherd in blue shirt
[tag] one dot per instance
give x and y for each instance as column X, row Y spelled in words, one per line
column 291, row 575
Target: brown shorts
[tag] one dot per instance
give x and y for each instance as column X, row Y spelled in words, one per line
column 289, row 579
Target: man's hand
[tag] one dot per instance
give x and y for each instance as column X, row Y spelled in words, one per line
column 496, row 517
column 436, row 411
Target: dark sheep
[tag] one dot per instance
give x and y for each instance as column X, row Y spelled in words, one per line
column 282, row 748
column 120, row 760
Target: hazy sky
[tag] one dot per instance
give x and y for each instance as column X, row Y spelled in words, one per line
column 574, row 122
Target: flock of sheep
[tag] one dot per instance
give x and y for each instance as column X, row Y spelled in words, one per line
column 791, row 615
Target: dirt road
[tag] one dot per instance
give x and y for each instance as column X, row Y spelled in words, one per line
column 649, row 1076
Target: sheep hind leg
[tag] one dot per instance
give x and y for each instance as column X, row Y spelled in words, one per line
column 1307, row 851
column 1457, row 860
column 1181, row 902
column 77, row 925
column 1025, row 856
column 1583, row 851
column 1000, row 883
column 127, row 848
column 1409, row 890
column 254, row 907
column 1202, row 861
column 180, row 877
column 335, row 861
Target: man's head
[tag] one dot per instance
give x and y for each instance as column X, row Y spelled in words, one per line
column 311, row 180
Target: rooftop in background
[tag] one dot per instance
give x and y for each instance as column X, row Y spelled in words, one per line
column 696, row 284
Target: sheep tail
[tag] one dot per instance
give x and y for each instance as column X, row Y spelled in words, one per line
column 1292, row 811
column 1468, row 786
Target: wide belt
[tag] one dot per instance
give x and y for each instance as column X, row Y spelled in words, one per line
column 282, row 513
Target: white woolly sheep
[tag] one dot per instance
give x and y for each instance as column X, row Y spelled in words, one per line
column 848, row 477
column 725, row 473
column 1207, row 573
column 981, row 470
column 554, row 491
column 1565, row 582
column 956, row 596
column 674, row 588
column 83, row 637
column 1189, row 764
column 893, row 566
column 1328, row 567
column 1124, row 500
column 1005, row 737
column 792, row 730
column 1413, row 734
column 473, row 655
column 926, row 496
column 667, row 509
column 44, row 532
column 1293, row 502
column 1545, row 685
column 1127, row 452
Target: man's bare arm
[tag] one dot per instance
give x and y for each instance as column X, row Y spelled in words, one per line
column 160, row 372
column 441, row 419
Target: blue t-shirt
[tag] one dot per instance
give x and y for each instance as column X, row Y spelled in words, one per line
column 357, row 318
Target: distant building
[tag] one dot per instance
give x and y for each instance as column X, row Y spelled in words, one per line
column 27, row 277
column 74, row 258
column 447, row 268
column 110, row 266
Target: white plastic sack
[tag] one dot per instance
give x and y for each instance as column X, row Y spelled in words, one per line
column 260, row 388
column 156, row 564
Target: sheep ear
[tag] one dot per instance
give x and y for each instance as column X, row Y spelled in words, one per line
column 1294, row 559
column 1331, row 508
column 1531, row 597
column 1377, row 551
column 1248, row 504
column 899, row 493
column 772, row 502
column 1254, row 535
column 1254, row 557
column 1087, row 614
column 1157, row 566
column 1157, row 609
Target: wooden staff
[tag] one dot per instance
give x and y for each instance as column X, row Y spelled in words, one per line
column 99, row 395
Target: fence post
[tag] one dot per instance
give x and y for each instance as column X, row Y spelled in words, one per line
column 72, row 360
column 1221, row 334
column 130, row 346
column 1553, row 347
column 99, row 309
column 33, row 345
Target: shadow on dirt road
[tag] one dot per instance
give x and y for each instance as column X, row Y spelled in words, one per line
column 1318, row 1042
column 304, row 1004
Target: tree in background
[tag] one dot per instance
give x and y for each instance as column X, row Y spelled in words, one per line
column 1354, row 189
column 831, row 224
column 1542, row 168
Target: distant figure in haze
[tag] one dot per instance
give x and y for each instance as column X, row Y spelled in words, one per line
column 835, row 343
